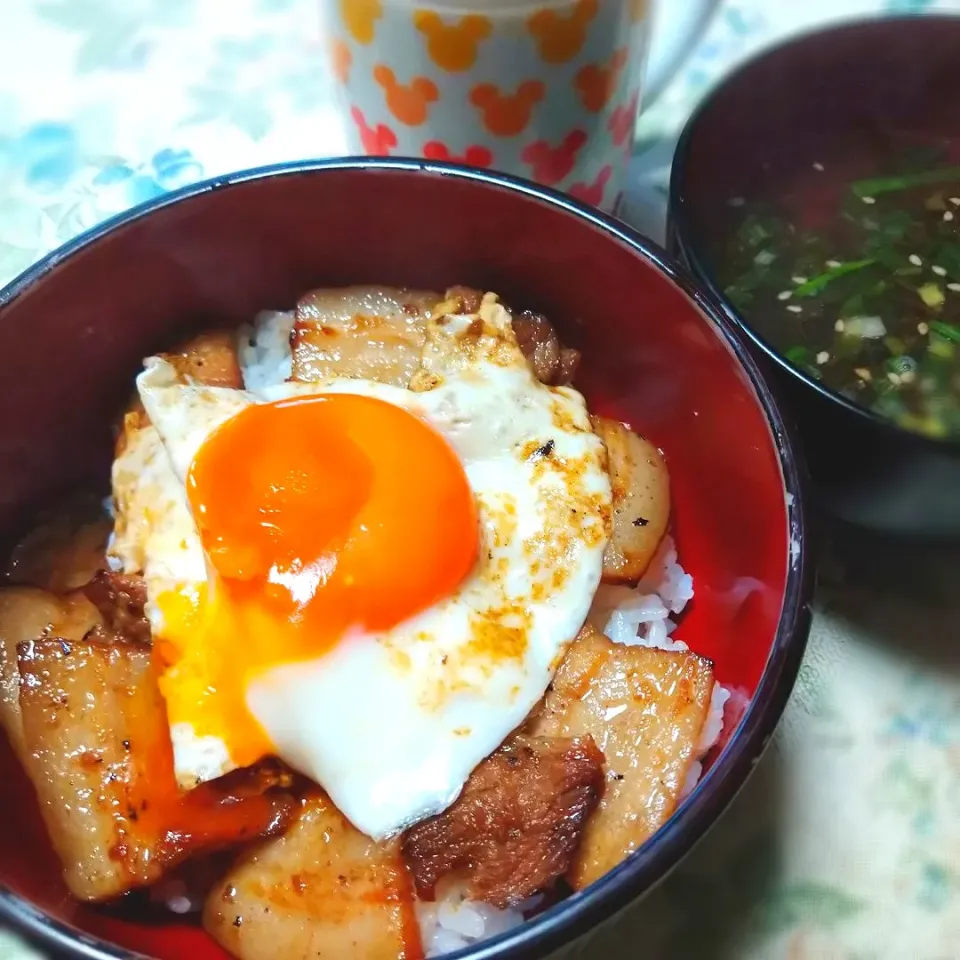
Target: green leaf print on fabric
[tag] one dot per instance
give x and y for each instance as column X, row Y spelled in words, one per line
column 745, row 904
column 816, row 696
column 937, row 885
column 729, row 900
column 114, row 34
column 251, row 116
column 252, row 80
column 808, row 903
column 902, row 789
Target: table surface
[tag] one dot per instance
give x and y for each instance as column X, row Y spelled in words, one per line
column 845, row 844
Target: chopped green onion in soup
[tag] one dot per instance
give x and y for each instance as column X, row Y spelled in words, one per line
column 869, row 303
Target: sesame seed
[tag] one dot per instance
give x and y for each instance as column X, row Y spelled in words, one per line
column 784, row 294
column 955, row 287
column 923, row 329
column 793, row 308
column 908, row 376
column 948, row 216
column 818, row 167
column 823, row 356
column 915, row 260
column 799, row 280
column 894, row 379
column 863, row 373
column 869, row 200
column 833, row 264
column 955, row 201
column 736, row 201
column 838, row 326
column 938, row 270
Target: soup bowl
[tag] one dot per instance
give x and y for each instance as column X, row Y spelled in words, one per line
column 805, row 119
column 656, row 352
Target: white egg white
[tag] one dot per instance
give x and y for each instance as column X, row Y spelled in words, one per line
column 392, row 724
column 155, row 533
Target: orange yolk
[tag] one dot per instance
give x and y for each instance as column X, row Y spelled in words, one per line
column 319, row 516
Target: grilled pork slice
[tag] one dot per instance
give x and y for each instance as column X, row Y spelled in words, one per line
column 378, row 333
column 98, row 751
column 373, row 333
column 321, row 891
column 120, row 598
column 646, row 710
column 641, row 500
column 26, row 614
column 515, row 828
column 64, row 547
column 210, row 358
column 550, row 361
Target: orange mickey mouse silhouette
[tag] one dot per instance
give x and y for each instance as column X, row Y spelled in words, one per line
column 360, row 18
column 596, row 83
column 503, row 114
column 452, row 47
column 549, row 164
column 340, row 60
column 409, row 103
column 560, row 38
column 473, row 156
column 623, row 120
column 593, row 192
column 376, row 141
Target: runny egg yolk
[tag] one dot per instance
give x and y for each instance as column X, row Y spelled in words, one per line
column 319, row 516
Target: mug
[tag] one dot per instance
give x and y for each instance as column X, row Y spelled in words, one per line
column 548, row 90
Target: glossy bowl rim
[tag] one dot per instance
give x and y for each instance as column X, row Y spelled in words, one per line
column 680, row 234
column 643, row 869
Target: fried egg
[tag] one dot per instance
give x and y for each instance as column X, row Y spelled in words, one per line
column 373, row 583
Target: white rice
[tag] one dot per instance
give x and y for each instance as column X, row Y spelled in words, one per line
column 712, row 728
column 264, row 350
column 178, row 902
column 453, row 922
column 641, row 615
column 177, row 896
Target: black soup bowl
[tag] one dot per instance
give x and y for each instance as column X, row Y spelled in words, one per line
column 798, row 125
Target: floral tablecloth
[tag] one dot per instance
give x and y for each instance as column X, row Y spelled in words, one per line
column 845, row 845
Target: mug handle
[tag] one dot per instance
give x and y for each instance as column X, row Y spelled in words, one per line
column 675, row 31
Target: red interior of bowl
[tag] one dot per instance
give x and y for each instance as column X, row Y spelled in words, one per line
column 71, row 343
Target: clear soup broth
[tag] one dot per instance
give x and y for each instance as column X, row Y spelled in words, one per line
column 852, row 271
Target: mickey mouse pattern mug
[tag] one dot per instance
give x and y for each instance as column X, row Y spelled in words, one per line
column 548, row 90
